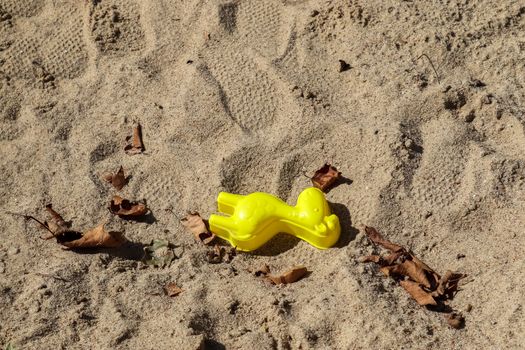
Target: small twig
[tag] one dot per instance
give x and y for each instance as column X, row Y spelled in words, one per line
column 432, row 64
column 30, row 217
column 52, row 276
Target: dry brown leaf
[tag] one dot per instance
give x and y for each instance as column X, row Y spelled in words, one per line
column 419, row 294
column 378, row 239
column 135, row 145
column 448, row 284
column 57, row 218
column 117, row 180
column 124, row 207
column 416, row 277
column 172, row 290
column 413, row 271
column 455, row 320
column 372, row 258
column 96, row 237
column 293, row 275
column 196, row 225
column 325, row 177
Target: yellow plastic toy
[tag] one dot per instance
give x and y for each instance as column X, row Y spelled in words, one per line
column 255, row 218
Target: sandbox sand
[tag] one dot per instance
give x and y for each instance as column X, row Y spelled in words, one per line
column 427, row 121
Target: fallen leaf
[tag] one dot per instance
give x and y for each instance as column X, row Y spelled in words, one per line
column 290, row 276
column 372, row 258
column 96, row 237
column 419, row 294
column 172, row 290
column 135, row 145
column 448, row 284
column 455, row 320
column 417, row 278
column 159, row 253
column 57, row 218
column 413, row 271
column 117, row 180
column 325, row 177
column 197, row 226
column 124, row 207
column 378, row 239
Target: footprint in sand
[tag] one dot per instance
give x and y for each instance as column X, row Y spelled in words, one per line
column 50, row 41
column 263, row 26
column 255, row 34
column 438, row 180
column 115, row 26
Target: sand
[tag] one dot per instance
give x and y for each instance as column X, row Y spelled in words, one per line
column 427, row 121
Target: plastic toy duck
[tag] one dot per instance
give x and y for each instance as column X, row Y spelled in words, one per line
column 255, row 218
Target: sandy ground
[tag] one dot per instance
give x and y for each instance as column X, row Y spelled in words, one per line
column 242, row 96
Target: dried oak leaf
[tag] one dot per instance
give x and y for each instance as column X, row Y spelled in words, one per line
column 117, row 180
column 124, row 207
column 325, row 177
column 455, row 320
column 172, row 290
column 293, row 275
column 416, row 277
column 159, row 253
column 96, row 237
column 196, row 225
column 410, row 269
column 448, row 284
column 134, row 142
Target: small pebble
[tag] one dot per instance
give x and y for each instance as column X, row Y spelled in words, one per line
column 13, row 251
column 2, row 267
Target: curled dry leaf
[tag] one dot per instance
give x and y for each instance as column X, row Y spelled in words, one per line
column 172, row 290
column 197, row 226
column 97, row 237
column 325, row 177
column 134, row 143
column 124, row 207
column 422, row 297
column 413, row 271
column 159, row 253
column 416, row 277
column 293, row 275
column 117, row 180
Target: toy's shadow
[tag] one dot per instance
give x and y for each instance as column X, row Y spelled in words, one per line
column 280, row 243
column 348, row 232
